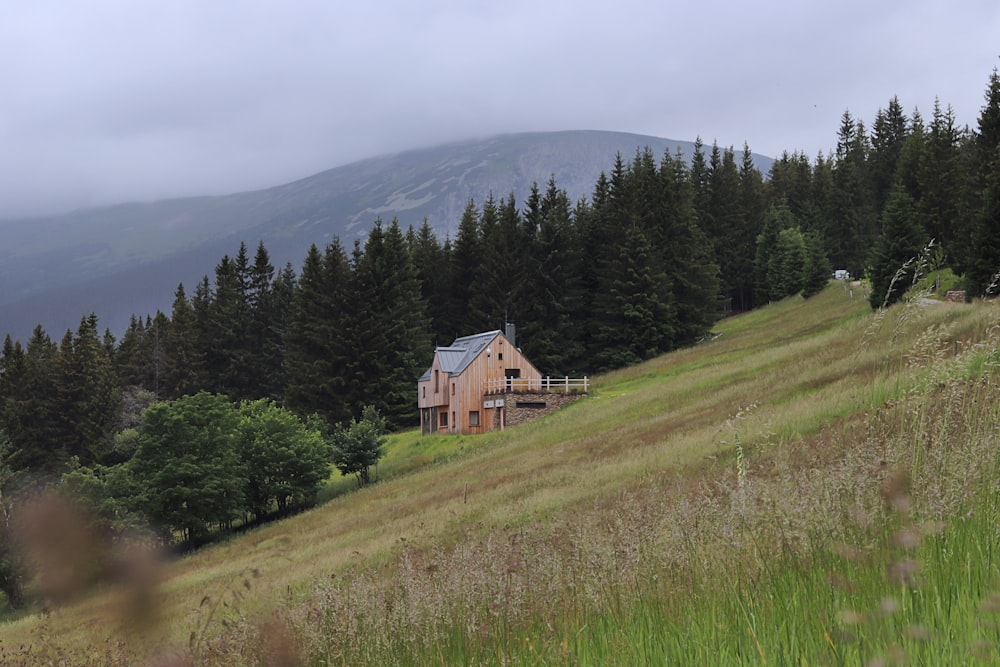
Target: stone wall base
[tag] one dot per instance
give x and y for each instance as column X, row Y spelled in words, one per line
column 523, row 408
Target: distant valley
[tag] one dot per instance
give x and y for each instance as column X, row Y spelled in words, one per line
column 129, row 258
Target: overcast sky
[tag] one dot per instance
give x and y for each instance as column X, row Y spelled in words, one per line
column 107, row 101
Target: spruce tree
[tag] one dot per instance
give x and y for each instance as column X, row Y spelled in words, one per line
column 637, row 321
column 504, row 245
column 465, row 260
column 552, row 287
column 316, row 351
column 942, row 183
column 32, row 409
column 817, row 271
column 896, row 256
column 777, row 219
column 183, row 372
column 686, row 253
column 731, row 233
column 983, row 265
column 262, row 347
column 786, row 265
column 752, row 197
column 131, row 358
column 392, row 345
column 432, row 268
column 853, row 223
column 86, row 394
column 889, row 134
column 282, row 297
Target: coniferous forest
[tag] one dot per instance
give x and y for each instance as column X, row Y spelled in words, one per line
column 661, row 250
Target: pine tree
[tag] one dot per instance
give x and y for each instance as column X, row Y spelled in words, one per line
column 31, row 410
column 822, row 197
column 895, row 258
column 500, row 275
column 86, row 394
column 853, row 223
column 942, row 183
column 699, row 179
column 730, row 234
column 132, row 361
column 393, row 341
column 433, row 269
column 888, row 138
column 777, row 219
column 11, row 370
column 282, row 298
column 316, row 348
column 12, row 379
column 551, row 293
column 983, row 265
column 786, row 265
column 465, row 259
column 184, row 361
column 262, row 352
column 637, row 323
column 201, row 306
column 687, row 254
column 752, row 198
column 595, row 239
column 228, row 350
column 817, row 270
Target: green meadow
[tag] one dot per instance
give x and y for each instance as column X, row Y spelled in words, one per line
column 814, row 484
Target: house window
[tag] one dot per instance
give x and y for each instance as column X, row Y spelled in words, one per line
column 500, row 356
column 531, row 405
column 437, row 381
column 452, row 388
column 424, row 392
column 474, row 418
column 444, row 419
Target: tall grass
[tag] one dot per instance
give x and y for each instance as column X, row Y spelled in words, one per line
column 816, row 485
column 868, row 542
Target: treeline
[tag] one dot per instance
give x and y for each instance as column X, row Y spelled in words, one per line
column 646, row 264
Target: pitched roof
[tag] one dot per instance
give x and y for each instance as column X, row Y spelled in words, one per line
column 456, row 357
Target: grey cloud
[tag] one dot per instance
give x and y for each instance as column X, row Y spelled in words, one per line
column 114, row 100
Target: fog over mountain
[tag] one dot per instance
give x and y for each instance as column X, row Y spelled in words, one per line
column 129, row 258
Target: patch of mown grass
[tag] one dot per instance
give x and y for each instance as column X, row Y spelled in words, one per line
column 405, row 452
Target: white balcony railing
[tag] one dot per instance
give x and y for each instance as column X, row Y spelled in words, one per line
column 563, row 385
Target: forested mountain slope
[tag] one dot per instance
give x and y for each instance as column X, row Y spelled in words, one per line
column 128, row 259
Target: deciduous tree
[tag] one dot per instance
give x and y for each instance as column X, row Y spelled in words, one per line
column 187, row 464
column 357, row 447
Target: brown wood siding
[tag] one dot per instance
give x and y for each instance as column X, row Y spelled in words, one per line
column 426, row 397
column 458, row 395
column 491, row 364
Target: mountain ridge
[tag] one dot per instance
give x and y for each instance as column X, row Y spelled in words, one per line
column 130, row 257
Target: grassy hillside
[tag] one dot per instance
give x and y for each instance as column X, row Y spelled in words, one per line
column 815, row 484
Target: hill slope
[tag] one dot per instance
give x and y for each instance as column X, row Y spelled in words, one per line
column 129, row 258
column 659, row 473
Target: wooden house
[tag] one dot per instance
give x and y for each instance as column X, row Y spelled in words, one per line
column 452, row 393
column 472, row 384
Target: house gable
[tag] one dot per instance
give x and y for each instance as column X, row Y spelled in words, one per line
column 451, row 393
